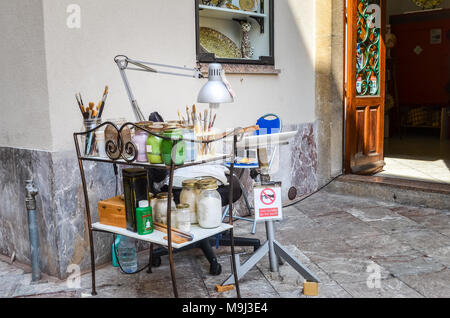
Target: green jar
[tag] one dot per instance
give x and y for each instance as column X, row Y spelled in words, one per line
column 154, row 149
column 166, row 147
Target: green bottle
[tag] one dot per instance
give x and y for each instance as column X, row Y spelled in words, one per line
column 144, row 218
column 154, row 149
column 166, row 147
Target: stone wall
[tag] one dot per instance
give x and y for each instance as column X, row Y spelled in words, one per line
column 60, row 208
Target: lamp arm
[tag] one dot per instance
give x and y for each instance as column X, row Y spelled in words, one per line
column 122, row 62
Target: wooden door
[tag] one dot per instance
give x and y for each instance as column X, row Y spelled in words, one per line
column 365, row 86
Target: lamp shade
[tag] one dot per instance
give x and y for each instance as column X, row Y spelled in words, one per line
column 215, row 90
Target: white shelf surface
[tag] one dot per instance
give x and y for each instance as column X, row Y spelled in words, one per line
column 200, row 160
column 227, row 14
column 157, row 237
column 262, row 141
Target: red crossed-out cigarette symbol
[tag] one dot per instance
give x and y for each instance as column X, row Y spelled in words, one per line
column 268, row 196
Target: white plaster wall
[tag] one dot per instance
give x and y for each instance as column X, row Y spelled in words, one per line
column 24, row 109
column 164, row 31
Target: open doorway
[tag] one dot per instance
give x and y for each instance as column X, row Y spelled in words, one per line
column 417, row 103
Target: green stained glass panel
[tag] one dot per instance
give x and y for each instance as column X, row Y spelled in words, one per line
column 368, row 48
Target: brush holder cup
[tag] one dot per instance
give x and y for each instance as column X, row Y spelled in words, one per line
column 89, row 141
column 207, row 150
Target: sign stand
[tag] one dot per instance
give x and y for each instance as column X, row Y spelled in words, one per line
column 276, row 251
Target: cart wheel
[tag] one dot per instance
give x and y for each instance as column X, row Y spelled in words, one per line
column 215, row 269
column 156, row 261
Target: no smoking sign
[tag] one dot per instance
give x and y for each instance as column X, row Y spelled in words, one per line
column 268, row 196
column 268, row 201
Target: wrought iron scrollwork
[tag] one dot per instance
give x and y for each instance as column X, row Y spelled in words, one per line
column 118, row 143
column 368, row 50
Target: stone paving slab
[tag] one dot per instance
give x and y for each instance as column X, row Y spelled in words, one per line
column 388, row 288
column 378, row 245
column 349, row 270
column 409, row 263
column 340, row 238
column 432, row 285
column 423, row 240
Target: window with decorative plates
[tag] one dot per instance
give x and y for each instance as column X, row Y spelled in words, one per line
column 235, row 31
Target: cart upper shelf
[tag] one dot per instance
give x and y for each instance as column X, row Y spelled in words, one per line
column 217, row 157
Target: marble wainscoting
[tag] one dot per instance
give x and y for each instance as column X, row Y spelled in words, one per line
column 295, row 165
column 69, row 210
column 62, row 224
column 16, row 166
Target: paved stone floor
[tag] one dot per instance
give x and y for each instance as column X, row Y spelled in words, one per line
column 348, row 242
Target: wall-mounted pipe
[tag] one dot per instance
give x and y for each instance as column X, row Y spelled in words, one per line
column 30, row 200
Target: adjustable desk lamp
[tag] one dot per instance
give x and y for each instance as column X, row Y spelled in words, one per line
column 213, row 92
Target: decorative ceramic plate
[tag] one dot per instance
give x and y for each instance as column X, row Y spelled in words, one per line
column 247, row 5
column 213, row 41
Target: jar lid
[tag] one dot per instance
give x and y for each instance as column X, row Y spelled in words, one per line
column 209, row 186
column 207, row 180
column 183, row 206
column 200, row 183
column 162, row 195
column 151, row 195
column 208, row 183
column 190, row 183
column 139, row 131
column 172, row 126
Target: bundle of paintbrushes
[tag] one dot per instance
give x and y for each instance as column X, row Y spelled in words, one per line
column 203, row 124
column 90, row 111
column 92, row 117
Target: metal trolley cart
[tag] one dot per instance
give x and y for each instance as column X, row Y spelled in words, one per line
column 121, row 153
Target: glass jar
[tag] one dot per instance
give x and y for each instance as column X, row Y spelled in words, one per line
column 188, row 196
column 183, row 217
column 153, row 149
column 112, row 136
column 101, row 144
column 88, row 141
column 191, row 147
column 199, row 185
column 152, row 199
column 140, row 139
column 209, row 206
column 161, row 209
column 166, row 147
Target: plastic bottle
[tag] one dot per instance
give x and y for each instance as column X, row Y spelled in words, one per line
column 144, row 219
column 127, row 253
column 115, row 245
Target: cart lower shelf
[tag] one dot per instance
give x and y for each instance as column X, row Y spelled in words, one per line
column 157, row 237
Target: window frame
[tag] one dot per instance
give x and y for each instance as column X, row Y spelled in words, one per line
column 210, row 57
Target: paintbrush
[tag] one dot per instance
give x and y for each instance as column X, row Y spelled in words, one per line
column 105, row 95
column 84, row 110
column 214, row 120
column 205, row 123
column 179, row 115
column 79, row 103
column 81, row 100
column 188, row 117
column 194, row 111
column 210, row 119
